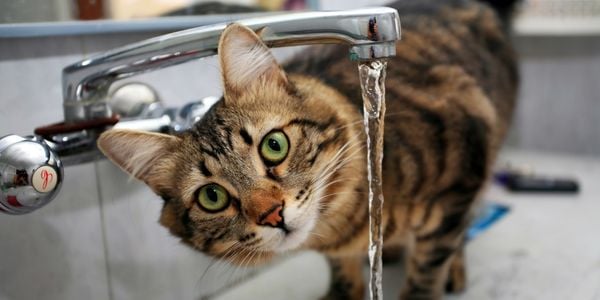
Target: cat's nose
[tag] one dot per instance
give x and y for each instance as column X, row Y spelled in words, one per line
column 272, row 217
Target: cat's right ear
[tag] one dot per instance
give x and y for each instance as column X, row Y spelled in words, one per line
column 138, row 153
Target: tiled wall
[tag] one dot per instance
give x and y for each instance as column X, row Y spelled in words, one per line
column 58, row 251
column 99, row 238
column 559, row 103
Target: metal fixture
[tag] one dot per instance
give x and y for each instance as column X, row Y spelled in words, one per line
column 30, row 174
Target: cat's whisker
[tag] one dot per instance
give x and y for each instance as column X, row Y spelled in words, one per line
column 217, row 262
column 349, row 144
column 326, row 182
column 262, row 254
column 319, row 189
column 234, row 268
column 330, row 183
column 356, row 150
column 224, row 267
column 201, row 279
column 341, row 193
column 339, row 165
column 233, row 246
column 354, row 142
column 232, row 256
column 230, row 250
column 320, row 237
column 332, row 227
column 335, row 165
column 317, row 234
column 252, row 257
column 247, row 267
column 234, row 279
column 323, row 179
column 243, row 261
column 348, row 124
column 238, row 268
column 319, row 182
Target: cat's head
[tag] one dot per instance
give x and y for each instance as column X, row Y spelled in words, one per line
column 254, row 175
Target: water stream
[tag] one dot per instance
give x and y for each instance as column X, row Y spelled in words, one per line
column 372, row 80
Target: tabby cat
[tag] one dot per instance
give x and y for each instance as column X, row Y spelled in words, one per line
column 279, row 163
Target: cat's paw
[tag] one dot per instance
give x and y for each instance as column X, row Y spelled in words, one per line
column 346, row 279
column 457, row 279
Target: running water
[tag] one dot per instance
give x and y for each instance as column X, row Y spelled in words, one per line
column 372, row 81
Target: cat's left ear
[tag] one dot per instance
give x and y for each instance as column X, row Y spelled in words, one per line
column 246, row 60
column 141, row 154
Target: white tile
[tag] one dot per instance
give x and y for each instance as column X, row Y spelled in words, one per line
column 559, row 95
column 56, row 252
column 31, row 81
column 302, row 276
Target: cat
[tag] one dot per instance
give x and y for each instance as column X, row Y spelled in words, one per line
column 279, row 163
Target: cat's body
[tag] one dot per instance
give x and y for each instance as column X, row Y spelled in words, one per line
column 450, row 94
column 287, row 150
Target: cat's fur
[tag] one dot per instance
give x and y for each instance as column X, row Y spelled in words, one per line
column 450, row 94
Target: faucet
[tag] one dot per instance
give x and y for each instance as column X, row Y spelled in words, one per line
column 372, row 33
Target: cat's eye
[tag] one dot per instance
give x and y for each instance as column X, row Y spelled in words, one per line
column 274, row 147
column 213, row 197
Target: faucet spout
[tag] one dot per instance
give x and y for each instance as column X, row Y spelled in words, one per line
column 371, row 33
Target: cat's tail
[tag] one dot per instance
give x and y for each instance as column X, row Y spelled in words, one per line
column 504, row 8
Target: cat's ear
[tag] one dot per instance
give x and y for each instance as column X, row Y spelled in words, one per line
column 245, row 60
column 137, row 153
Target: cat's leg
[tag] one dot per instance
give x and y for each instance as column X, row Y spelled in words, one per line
column 435, row 248
column 392, row 254
column 457, row 278
column 346, row 278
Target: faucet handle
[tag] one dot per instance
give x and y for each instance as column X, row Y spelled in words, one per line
column 192, row 112
column 134, row 100
column 31, row 174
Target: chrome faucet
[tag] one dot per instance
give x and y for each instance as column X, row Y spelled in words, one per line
column 372, row 33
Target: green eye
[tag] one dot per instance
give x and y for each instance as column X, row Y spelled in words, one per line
column 274, row 147
column 213, row 197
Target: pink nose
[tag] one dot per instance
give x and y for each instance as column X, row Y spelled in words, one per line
column 272, row 217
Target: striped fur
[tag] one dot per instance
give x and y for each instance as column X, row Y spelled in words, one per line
column 450, row 94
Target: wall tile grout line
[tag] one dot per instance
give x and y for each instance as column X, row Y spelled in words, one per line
column 103, row 229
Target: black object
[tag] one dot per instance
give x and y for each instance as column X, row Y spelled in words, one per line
column 525, row 183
